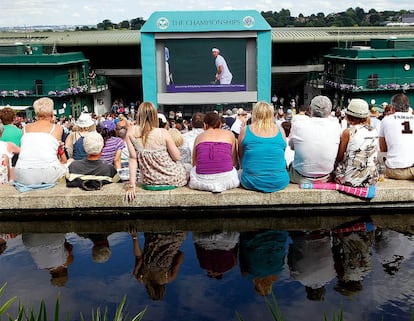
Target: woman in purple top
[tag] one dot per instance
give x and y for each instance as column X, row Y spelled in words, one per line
column 111, row 153
column 214, row 158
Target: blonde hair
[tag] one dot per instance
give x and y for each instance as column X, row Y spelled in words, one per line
column 263, row 285
column 43, row 107
column 176, row 136
column 262, row 116
column 147, row 119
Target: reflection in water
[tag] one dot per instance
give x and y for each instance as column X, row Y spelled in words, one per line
column 51, row 252
column 262, row 256
column 311, row 262
column 160, row 261
column 216, row 251
column 3, row 241
column 351, row 249
column 393, row 249
column 101, row 251
column 312, row 272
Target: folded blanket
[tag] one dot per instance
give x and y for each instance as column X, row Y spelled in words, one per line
column 363, row 192
column 25, row 188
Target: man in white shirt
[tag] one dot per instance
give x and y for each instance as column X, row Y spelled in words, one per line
column 223, row 75
column 396, row 139
column 315, row 141
column 241, row 120
column 197, row 127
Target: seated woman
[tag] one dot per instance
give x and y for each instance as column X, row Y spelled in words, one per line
column 7, row 151
column 185, row 153
column 155, row 151
column 214, row 158
column 358, row 148
column 42, row 157
column 112, row 150
column 74, row 141
column 262, row 152
column 11, row 133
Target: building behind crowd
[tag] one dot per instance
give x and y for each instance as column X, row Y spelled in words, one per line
column 370, row 62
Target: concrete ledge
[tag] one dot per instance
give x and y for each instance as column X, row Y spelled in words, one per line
column 391, row 194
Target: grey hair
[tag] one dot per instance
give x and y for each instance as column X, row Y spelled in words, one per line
column 321, row 106
column 400, row 102
column 93, row 143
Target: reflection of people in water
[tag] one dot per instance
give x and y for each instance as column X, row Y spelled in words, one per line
column 50, row 251
column 310, row 261
column 101, row 251
column 262, row 257
column 159, row 262
column 223, row 74
column 352, row 245
column 216, row 252
column 3, row 241
column 392, row 248
column 168, row 74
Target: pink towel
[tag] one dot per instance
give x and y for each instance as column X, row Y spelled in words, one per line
column 363, row 192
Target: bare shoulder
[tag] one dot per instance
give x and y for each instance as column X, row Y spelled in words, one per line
column 59, row 128
column 228, row 134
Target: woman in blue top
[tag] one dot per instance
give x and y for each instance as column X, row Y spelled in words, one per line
column 261, row 150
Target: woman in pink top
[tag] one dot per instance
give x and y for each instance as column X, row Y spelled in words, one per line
column 214, row 158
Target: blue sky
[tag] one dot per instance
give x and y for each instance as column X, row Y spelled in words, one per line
column 90, row 12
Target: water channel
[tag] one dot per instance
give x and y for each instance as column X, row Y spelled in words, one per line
column 209, row 269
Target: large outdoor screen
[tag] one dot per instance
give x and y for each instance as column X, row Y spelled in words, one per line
column 187, row 68
column 191, row 65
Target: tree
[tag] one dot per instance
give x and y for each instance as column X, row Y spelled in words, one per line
column 124, row 25
column 137, row 23
column 106, row 25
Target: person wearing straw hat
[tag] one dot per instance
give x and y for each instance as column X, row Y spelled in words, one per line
column 74, row 141
column 358, row 148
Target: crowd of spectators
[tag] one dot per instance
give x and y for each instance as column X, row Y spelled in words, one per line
column 262, row 149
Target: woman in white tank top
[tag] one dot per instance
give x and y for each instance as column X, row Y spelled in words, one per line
column 42, row 158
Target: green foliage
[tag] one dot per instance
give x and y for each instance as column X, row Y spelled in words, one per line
column 98, row 316
column 277, row 315
column 6, row 305
column 273, row 309
column 336, row 317
column 25, row 314
column 352, row 17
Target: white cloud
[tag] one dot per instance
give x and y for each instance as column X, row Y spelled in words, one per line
column 79, row 12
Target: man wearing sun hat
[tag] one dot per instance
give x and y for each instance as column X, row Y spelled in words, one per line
column 396, row 138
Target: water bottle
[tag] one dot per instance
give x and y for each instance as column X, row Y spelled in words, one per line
column 381, row 171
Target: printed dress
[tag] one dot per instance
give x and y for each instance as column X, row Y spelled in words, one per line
column 358, row 167
column 160, row 251
column 157, row 167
